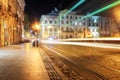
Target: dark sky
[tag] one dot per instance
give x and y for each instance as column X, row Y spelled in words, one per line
column 36, row 8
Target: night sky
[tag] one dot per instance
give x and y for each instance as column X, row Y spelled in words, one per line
column 35, row 8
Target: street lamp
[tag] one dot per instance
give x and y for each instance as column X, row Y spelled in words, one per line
column 36, row 28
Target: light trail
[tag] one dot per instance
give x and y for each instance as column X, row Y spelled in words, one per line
column 99, row 10
column 75, row 6
column 71, row 9
column 102, row 9
column 116, row 39
column 74, row 62
column 109, row 68
column 101, row 45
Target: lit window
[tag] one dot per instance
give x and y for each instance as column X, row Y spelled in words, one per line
column 80, row 23
column 95, row 30
column 76, row 23
column 95, row 20
column 91, row 30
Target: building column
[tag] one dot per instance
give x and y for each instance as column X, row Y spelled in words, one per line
column 1, row 33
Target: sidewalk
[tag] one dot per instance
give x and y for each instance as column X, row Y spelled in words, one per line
column 21, row 62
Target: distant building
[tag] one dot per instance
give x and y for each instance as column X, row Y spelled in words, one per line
column 58, row 25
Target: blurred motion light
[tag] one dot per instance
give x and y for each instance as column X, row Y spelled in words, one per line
column 75, row 6
column 104, row 8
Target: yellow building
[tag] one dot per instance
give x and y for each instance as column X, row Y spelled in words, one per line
column 11, row 21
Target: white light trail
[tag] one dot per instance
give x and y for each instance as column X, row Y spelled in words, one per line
column 90, row 44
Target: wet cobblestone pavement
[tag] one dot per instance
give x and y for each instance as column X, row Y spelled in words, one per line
column 21, row 62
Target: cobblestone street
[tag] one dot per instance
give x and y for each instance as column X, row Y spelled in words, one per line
column 21, row 62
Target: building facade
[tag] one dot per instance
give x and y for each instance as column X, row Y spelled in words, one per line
column 10, row 25
column 20, row 20
column 73, row 25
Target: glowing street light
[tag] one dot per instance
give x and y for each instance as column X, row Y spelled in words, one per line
column 37, row 27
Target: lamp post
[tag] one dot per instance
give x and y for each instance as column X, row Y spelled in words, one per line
column 37, row 29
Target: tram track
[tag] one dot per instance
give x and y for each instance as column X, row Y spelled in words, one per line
column 93, row 69
column 57, row 70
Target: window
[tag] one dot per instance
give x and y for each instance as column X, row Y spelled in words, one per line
column 50, row 29
column 84, row 24
column 67, row 28
column 91, row 30
column 70, row 17
column 71, row 22
column 45, row 21
column 84, row 19
column 45, row 29
column 55, row 29
column 64, row 29
column 50, row 22
column 75, row 29
column 67, row 17
column 96, row 24
column 62, row 22
column 101, row 22
column 89, row 24
column 89, row 19
column 80, row 23
column 101, row 27
column 76, row 17
column 105, row 27
column 97, row 30
column 62, row 17
column 67, row 22
column 79, row 17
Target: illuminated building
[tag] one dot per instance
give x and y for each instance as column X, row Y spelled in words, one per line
column 20, row 20
column 11, row 21
column 61, row 26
